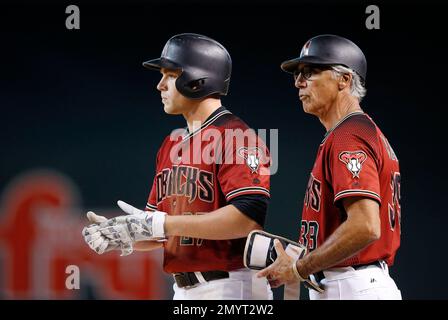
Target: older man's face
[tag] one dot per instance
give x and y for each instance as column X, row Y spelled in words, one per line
column 318, row 88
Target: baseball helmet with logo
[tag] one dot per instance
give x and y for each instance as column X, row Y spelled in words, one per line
column 205, row 64
column 328, row 49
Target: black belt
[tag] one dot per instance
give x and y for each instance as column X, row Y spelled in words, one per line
column 319, row 276
column 188, row 279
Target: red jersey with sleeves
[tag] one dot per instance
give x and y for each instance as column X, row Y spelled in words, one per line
column 354, row 159
column 200, row 172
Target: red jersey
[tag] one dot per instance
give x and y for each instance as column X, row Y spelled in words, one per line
column 200, row 172
column 354, row 159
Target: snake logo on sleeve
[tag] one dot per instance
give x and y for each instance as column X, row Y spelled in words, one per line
column 252, row 156
column 353, row 161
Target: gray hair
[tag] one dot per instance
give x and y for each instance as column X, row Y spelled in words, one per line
column 357, row 88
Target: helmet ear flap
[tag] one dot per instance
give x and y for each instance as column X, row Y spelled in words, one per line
column 196, row 85
column 190, row 88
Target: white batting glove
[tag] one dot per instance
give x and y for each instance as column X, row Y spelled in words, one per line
column 138, row 225
column 98, row 242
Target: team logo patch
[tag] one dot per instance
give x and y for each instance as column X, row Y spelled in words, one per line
column 252, row 157
column 353, row 161
column 305, row 49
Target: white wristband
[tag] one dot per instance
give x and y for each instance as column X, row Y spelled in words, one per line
column 158, row 224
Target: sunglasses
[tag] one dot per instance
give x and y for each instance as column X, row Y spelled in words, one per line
column 306, row 72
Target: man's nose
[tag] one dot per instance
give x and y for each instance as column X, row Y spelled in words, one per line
column 161, row 86
column 300, row 82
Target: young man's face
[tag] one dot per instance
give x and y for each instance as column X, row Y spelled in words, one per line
column 317, row 89
column 174, row 102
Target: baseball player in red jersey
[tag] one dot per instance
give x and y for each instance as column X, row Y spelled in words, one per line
column 351, row 213
column 211, row 185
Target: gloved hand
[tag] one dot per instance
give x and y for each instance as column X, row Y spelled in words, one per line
column 98, row 242
column 138, row 225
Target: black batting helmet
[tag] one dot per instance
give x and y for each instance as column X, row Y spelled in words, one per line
column 328, row 49
column 205, row 63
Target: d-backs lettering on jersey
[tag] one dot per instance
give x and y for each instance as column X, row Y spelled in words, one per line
column 354, row 159
column 233, row 162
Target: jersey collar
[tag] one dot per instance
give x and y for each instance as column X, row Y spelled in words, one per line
column 212, row 118
column 339, row 123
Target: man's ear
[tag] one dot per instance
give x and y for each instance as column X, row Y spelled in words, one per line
column 344, row 81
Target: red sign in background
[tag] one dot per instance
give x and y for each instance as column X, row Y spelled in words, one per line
column 41, row 219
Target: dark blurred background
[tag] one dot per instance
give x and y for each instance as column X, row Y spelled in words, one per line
column 78, row 107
